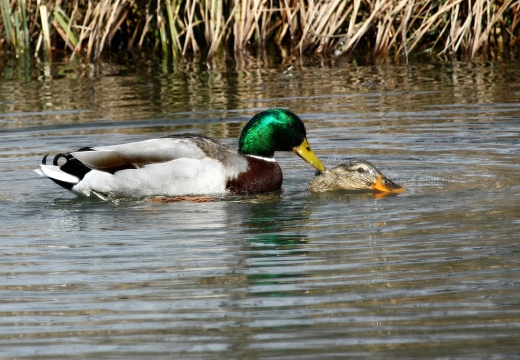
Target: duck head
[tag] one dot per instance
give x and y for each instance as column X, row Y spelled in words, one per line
column 354, row 175
column 277, row 130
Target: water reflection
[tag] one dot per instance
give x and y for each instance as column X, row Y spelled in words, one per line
column 290, row 274
column 272, row 244
column 119, row 91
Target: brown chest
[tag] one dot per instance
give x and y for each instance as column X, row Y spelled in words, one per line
column 260, row 176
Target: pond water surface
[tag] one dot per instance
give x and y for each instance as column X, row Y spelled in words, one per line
column 430, row 273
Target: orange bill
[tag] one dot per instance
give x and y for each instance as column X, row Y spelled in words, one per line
column 385, row 185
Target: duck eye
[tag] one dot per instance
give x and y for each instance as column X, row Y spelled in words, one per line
column 360, row 170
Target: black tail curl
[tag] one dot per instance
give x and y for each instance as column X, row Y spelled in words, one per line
column 56, row 158
column 59, row 156
column 71, row 166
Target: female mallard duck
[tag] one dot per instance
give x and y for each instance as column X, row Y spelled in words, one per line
column 180, row 165
column 353, row 175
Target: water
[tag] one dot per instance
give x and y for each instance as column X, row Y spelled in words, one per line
column 431, row 273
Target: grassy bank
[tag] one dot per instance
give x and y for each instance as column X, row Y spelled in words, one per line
column 179, row 28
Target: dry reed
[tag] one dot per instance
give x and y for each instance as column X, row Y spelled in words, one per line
column 325, row 27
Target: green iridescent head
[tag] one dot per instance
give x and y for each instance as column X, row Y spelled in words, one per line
column 276, row 130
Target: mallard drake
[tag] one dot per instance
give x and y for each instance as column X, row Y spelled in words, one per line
column 353, row 175
column 186, row 164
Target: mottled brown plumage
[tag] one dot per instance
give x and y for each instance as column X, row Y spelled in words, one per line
column 353, row 175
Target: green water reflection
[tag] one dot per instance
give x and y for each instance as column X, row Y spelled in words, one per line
column 430, row 273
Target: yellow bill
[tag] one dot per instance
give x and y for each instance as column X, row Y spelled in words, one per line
column 385, row 185
column 305, row 152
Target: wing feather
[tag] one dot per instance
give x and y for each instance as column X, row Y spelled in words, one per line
column 104, row 160
column 139, row 154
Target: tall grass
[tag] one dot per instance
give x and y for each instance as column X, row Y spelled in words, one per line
column 179, row 28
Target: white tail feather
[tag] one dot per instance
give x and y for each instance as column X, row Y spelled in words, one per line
column 54, row 172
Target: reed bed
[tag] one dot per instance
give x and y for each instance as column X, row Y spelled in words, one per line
column 180, row 28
